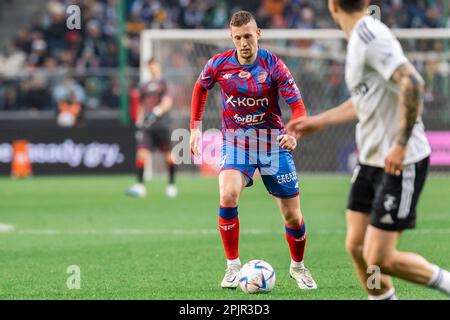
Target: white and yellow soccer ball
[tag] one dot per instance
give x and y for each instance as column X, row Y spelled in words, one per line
column 257, row 276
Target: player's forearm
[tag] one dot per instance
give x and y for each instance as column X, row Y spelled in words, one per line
column 298, row 109
column 341, row 114
column 165, row 105
column 411, row 93
column 199, row 96
column 140, row 114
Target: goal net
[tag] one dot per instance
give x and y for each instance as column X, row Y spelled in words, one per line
column 316, row 58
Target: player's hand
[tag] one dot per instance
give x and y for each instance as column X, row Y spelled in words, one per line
column 303, row 126
column 194, row 141
column 287, row 142
column 393, row 163
column 149, row 119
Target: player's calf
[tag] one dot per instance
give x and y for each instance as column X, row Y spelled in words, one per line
column 229, row 231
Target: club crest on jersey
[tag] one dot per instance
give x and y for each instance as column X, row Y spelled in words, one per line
column 262, row 76
column 244, row 74
column 152, row 86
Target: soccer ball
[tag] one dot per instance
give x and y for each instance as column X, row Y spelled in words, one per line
column 257, row 276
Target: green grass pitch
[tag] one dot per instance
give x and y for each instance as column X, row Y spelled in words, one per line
column 155, row 248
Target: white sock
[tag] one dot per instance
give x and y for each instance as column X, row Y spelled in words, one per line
column 295, row 264
column 440, row 279
column 389, row 295
column 235, row 263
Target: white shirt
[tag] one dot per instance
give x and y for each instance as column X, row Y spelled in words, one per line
column 373, row 55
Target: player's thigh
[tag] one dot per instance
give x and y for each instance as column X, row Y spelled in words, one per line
column 143, row 144
column 143, row 153
column 357, row 223
column 280, row 177
column 231, row 184
column 379, row 245
column 236, row 160
column 160, row 138
column 167, row 154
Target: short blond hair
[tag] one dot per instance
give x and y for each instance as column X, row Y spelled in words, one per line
column 241, row 18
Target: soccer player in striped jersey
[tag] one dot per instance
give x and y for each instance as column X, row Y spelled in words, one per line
column 387, row 100
column 251, row 80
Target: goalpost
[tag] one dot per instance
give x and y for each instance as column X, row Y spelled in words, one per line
column 149, row 39
column 316, row 58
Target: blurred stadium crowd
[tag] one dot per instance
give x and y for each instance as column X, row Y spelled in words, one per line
column 45, row 65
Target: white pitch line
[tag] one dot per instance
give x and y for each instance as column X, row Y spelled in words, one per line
column 130, row 232
column 6, row 227
column 180, row 232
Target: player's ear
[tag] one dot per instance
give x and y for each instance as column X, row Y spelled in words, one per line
column 258, row 33
column 332, row 6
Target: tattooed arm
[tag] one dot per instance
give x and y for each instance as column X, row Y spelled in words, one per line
column 412, row 87
column 411, row 93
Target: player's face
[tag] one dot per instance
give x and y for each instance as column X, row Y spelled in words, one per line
column 245, row 39
column 154, row 69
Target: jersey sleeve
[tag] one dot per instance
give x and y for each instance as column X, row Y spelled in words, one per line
column 285, row 83
column 141, row 89
column 385, row 55
column 168, row 90
column 207, row 78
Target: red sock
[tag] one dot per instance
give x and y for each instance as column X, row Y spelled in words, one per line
column 140, row 164
column 229, row 231
column 296, row 238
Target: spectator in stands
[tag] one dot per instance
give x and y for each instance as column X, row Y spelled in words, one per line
column 38, row 50
column 35, row 91
column 111, row 95
column 109, row 17
column 23, row 41
column 146, row 9
column 55, row 32
column 69, row 111
column 218, row 17
column 69, row 91
column 193, row 16
column 307, row 19
column 12, row 61
column 94, row 46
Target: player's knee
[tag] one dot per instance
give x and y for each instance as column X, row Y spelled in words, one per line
column 381, row 260
column 391, row 264
column 229, row 198
column 292, row 219
column 143, row 154
column 387, row 265
column 168, row 158
column 354, row 248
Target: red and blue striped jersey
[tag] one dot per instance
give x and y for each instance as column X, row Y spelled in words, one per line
column 250, row 92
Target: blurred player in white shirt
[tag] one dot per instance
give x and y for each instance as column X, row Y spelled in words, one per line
column 387, row 100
